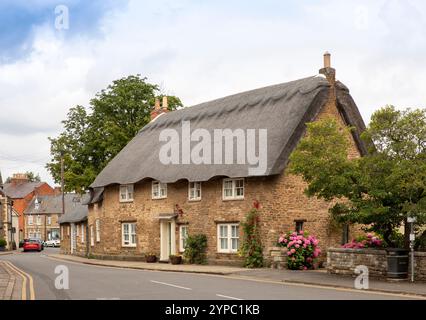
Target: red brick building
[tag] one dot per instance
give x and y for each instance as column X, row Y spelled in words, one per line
column 22, row 192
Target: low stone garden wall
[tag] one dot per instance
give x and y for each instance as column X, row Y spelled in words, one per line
column 420, row 265
column 277, row 257
column 344, row 261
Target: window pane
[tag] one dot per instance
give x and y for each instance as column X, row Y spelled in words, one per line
column 234, row 231
column 234, row 244
column 133, row 239
column 224, row 244
column 223, row 231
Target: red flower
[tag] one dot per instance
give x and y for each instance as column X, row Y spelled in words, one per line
column 256, row 204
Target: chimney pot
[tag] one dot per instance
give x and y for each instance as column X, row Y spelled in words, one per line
column 165, row 104
column 157, row 104
column 327, row 60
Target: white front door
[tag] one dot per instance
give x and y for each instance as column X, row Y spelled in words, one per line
column 73, row 238
column 167, row 239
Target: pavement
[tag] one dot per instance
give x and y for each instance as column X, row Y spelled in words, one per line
column 10, row 282
column 206, row 269
column 312, row 277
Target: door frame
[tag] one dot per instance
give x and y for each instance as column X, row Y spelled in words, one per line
column 73, row 238
column 167, row 238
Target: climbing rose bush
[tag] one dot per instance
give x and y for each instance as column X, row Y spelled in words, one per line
column 370, row 241
column 302, row 250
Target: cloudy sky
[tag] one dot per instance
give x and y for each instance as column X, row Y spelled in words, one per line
column 197, row 50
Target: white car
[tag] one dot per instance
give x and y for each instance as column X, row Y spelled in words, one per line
column 53, row 243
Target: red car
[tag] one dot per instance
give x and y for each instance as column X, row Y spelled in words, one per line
column 32, row 244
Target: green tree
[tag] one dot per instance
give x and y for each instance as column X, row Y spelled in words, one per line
column 379, row 190
column 91, row 138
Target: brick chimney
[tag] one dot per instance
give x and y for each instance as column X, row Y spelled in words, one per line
column 328, row 71
column 18, row 178
column 158, row 110
column 57, row 191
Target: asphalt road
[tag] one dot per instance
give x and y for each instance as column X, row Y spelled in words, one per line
column 94, row 282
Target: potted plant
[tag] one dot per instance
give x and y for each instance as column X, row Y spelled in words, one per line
column 175, row 259
column 3, row 244
column 151, row 257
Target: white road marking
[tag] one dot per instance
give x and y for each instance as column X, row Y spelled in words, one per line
column 228, row 297
column 170, row 285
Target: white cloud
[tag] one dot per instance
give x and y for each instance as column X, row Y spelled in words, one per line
column 206, row 50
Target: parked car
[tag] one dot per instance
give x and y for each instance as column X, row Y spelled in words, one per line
column 32, row 245
column 53, row 243
column 21, row 243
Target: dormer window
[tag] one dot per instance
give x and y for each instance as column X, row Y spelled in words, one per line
column 37, row 204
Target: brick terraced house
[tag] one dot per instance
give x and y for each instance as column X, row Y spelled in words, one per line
column 22, row 191
column 42, row 215
column 139, row 204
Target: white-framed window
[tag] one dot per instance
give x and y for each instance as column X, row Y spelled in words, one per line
column 68, row 230
column 233, row 189
column 194, row 191
column 126, row 193
column 183, row 235
column 128, row 236
column 36, row 235
column 38, row 220
column 82, row 233
column 92, row 236
column 49, row 220
column 228, row 237
column 159, row 190
column 98, row 230
column 30, row 220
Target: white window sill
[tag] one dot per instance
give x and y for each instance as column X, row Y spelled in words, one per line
column 233, row 199
column 128, row 246
column 228, row 252
column 159, row 198
column 194, row 200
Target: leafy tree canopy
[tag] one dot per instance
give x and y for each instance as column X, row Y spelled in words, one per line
column 379, row 190
column 93, row 136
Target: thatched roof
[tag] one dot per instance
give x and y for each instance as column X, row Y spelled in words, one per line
column 282, row 109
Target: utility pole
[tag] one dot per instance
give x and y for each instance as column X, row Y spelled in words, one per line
column 62, row 183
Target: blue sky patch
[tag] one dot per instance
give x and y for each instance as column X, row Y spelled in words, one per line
column 18, row 18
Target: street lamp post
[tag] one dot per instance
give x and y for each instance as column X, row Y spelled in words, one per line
column 411, row 221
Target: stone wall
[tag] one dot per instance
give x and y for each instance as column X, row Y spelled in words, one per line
column 420, row 265
column 344, row 261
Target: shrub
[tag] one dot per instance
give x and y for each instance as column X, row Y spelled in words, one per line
column 3, row 243
column 251, row 248
column 420, row 243
column 362, row 242
column 302, row 250
column 195, row 249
